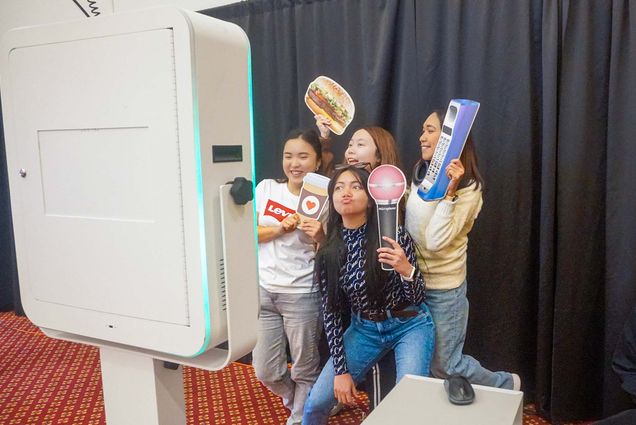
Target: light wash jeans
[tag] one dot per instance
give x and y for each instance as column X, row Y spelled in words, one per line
column 450, row 314
column 365, row 341
column 295, row 318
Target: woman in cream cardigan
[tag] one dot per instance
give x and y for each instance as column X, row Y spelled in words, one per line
column 440, row 230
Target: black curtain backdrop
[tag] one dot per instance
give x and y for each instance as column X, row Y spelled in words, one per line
column 618, row 285
column 552, row 270
column 552, row 275
column 9, row 291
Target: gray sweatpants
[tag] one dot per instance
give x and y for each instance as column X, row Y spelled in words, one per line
column 295, row 318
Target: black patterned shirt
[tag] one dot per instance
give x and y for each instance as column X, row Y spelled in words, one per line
column 352, row 283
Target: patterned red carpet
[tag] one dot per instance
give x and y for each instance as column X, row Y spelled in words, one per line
column 50, row 382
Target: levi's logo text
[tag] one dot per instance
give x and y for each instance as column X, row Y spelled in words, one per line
column 276, row 210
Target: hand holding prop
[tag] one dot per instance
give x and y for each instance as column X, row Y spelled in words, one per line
column 458, row 121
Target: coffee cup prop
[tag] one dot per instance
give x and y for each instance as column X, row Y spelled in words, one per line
column 313, row 196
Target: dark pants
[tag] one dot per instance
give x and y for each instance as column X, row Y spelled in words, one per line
column 380, row 380
column 628, row 417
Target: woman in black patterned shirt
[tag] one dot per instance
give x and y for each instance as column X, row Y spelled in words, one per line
column 387, row 308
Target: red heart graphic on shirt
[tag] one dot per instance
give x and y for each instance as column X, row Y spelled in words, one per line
column 310, row 205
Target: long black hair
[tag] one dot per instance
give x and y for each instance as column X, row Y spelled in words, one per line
column 332, row 255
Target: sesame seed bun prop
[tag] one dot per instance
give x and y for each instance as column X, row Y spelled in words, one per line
column 326, row 97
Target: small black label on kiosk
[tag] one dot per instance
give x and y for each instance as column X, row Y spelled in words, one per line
column 227, row 153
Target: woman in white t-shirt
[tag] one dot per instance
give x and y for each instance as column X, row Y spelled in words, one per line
column 290, row 303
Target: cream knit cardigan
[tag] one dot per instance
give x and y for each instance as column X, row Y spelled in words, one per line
column 440, row 231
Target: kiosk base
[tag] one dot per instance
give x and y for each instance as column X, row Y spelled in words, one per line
column 140, row 390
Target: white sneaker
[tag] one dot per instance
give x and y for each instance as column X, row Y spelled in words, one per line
column 336, row 409
column 293, row 421
column 516, row 382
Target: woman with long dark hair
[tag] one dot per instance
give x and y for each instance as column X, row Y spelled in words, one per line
column 440, row 230
column 376, row 146
column 387, row 309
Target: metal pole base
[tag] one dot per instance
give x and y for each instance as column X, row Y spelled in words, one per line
column 140, row 390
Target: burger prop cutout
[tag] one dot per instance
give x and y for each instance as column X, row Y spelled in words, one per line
column 326, row 97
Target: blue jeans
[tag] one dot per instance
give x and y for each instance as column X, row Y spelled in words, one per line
column 450, row 313
column 365, row 341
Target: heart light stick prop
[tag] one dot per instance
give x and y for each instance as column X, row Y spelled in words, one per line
column 387, row 185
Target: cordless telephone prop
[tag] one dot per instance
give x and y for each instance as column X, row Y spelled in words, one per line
column 459, row 119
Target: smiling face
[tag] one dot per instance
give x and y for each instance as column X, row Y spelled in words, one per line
column 299, row 158
column 350, row 199
column 362, row 148
column 431, row 130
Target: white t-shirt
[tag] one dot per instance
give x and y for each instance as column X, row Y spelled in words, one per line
column 286, row 263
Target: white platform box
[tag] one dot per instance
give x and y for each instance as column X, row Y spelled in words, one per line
column 420, row 400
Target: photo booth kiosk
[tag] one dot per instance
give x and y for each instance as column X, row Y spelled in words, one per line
column 129, row 152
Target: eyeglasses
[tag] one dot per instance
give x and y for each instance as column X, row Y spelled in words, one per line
column 342, row 166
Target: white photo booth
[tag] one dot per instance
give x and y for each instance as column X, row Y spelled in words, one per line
column 129, row 152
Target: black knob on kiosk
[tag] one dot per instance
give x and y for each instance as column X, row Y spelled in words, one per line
column 241, row 190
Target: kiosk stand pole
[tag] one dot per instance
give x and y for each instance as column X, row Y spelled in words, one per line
column 140, row 390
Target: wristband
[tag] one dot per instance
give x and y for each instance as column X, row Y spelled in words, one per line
column 411, row 275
